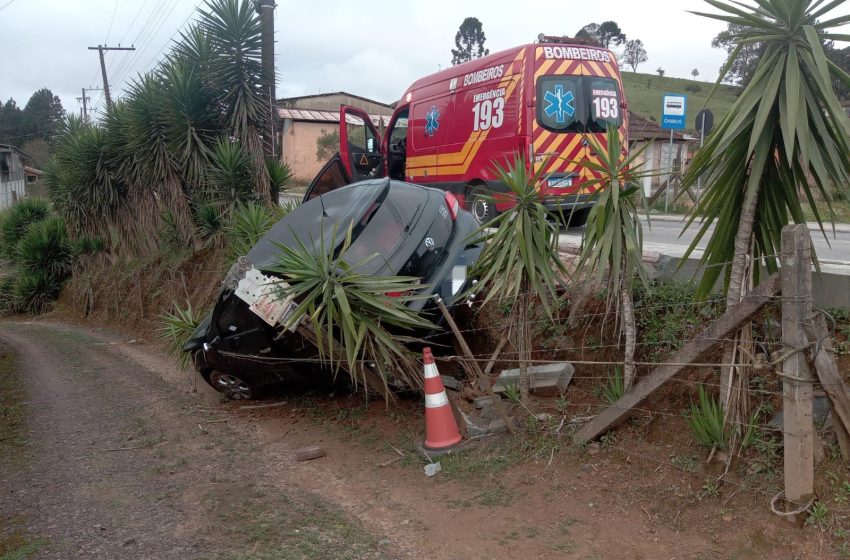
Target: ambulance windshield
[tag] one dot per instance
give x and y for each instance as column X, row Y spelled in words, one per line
column 578, row 103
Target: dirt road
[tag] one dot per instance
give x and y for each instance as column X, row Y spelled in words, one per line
column 118, row 460
column 112, row 456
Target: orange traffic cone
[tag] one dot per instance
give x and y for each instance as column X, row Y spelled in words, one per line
column 440, row 426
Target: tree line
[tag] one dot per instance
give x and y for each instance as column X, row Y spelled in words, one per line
column 34, row 127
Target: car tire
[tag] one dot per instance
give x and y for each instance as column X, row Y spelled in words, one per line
column 479, row 203
column 575, row 219
column 232, row 386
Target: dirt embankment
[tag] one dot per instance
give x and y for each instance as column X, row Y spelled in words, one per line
column 119, row 460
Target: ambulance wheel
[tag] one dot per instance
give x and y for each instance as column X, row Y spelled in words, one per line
column 575, row 218
column 479, row 202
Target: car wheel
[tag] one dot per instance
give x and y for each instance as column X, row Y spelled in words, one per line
column 232, row 386
column 479, row 202
column 576, row 218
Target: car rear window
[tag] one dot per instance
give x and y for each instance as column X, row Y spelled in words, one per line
column 578, row 103
column 383, row 233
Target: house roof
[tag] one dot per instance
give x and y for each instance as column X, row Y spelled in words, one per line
column 33, row 171
column 11, row 148
column 309, row 115
column 345, row 93
column 645, row 129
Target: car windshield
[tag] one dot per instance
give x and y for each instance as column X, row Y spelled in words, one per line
column 578, row 103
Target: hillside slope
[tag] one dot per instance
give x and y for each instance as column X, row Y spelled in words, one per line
column 645, row 91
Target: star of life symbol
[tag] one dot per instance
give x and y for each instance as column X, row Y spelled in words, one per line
column 432, row 121
column 560, row 104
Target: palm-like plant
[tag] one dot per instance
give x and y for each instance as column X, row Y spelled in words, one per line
column 613, row 236
column 230, row 176
column 235, row 74
column 785, row 136
column 520, row 261
column 347, row 305
column 784, row 140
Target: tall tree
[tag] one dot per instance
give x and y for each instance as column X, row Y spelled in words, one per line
column 10, row 122
column 610, row 32
column 634, row 54
column 469, row 41
column 695, row 73
column 42, row 117
column 742, row 65
column 605, row 33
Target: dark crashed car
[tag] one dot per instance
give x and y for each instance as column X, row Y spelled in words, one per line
column 416, row 231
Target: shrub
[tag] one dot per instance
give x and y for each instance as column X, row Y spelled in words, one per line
column 176, row 329
column 208, row 220
column 45, row 248
column 706, row 422
column 33, row 292
column 17, row 219
column 250, row 222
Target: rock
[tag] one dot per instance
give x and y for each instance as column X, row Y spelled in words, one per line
column 452, row 383
column 481, row 402
column 309, row 453
column 587, row 468
column 497, row 426
column 432, row 468
column 469, row 393
column 547, row 380
column 384, row 542
column 594, row 448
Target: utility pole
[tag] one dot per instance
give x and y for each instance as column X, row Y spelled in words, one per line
column 266, row 10
column 101, row 49
column 84, row 112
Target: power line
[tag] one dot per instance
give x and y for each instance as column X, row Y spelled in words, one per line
column 112, row 21
column 6, row 5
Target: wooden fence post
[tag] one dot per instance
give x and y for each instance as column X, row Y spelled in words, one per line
column 797, row 401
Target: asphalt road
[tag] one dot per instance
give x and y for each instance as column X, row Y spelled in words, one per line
column 663, row 234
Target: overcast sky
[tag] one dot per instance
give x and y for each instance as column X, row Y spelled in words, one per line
column 374, row 49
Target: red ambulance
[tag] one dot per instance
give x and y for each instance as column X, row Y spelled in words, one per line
column 543, row 100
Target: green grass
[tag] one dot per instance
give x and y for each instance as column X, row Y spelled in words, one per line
column 645, row 91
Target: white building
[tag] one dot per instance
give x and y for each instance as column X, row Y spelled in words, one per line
column 13, row 181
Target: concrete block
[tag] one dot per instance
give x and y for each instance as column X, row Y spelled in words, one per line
column 547, row 380
column 470, row 427
column 452, row 383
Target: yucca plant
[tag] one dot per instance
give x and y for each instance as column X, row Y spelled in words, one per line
column 235, row 75
column 248, row 223
column 176, row 328
column 612, row 243
column 520, row 263
column 231, row 176
column 208, row 220
column 785, row 137
column 614, row 386
column 280, row 175
column 17, row 219
column 784, row 140
column 352, row 314
column 45, row 247
column 707, row 423
column 34, row 291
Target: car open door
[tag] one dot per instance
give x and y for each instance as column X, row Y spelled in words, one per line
column 359, row 145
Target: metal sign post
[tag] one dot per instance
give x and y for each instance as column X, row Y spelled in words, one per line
column 673, row 110
column 705, row 124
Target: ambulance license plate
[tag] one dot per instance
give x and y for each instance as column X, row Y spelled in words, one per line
column 560, row 182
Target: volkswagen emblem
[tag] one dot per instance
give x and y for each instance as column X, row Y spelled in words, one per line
column 429, row 243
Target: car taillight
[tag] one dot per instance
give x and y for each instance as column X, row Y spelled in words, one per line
column 453, row 205
column 394, row 294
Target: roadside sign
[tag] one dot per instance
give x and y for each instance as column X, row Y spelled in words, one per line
column 705, row 122
column 673, row 111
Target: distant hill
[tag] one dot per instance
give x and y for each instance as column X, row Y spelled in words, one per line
column 645, row 91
